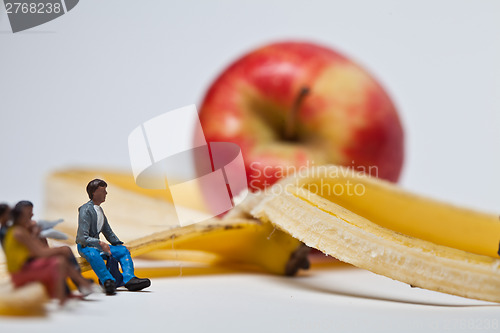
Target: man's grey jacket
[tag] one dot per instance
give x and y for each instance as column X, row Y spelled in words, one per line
column 87, row 234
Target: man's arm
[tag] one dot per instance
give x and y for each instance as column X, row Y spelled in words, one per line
column 82, row 235
column 36, row 248
column 109, row 234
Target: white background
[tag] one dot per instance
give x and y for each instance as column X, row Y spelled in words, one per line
column 73, row 89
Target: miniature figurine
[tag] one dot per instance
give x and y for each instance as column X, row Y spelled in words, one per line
column 91, row 222
column 4, row 220
column 29, row 260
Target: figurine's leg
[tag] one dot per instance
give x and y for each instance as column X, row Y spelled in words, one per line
column 121, row 253
column 93, row 256
column 72, row 260
column 49, row 271
column 113, row 267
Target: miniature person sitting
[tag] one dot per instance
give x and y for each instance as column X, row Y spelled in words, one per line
column 29, row 260
column 91, row 222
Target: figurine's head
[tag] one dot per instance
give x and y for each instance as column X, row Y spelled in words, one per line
column 4, row 214
column 96, row 189
column 22, row 213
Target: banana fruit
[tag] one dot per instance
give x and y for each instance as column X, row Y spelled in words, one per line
column 388, row 231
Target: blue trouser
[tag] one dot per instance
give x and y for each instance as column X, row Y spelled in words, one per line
column 119, row 252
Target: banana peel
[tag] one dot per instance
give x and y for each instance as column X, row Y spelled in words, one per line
column 390, row 206
column 240, row 241
column 416, row 240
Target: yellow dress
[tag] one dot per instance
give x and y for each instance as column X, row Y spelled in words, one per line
column 16, row 253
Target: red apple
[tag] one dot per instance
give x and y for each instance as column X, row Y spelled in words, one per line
column 296, row 104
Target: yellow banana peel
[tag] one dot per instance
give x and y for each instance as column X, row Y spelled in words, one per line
column 239, row 241
column 390, row 206
column 388, row 231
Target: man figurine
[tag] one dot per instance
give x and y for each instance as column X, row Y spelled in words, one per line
column 91, row 222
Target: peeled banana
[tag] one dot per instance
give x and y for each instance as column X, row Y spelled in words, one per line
column 388, row 231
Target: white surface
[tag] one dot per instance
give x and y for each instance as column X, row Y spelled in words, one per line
column 343, row 299
column 73, row 89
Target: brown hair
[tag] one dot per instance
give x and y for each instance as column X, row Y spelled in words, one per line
column 18, row 209
column 93, row 185
column 3, row 208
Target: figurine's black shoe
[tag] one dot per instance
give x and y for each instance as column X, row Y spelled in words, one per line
column 136, row 284
column 110, row 287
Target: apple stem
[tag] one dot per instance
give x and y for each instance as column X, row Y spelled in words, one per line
column 291, row 120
